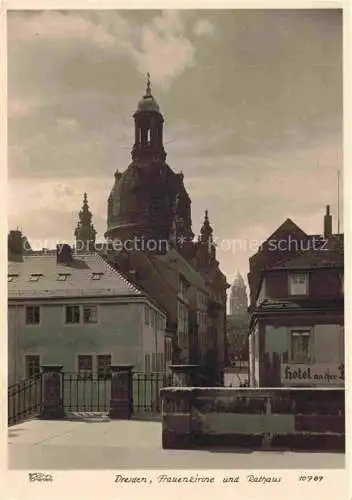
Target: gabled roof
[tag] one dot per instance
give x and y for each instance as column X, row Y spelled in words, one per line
column 79, row 282
column 288, row 227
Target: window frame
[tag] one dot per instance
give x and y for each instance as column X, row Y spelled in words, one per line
column 147, row 314
column 306, row 332
column 89, row 306
column 85, row 374
column 26, row 315
column 147, row 363
column 106, row 373
column 68, row 323
column 291, row 276
column 26, row 356
column 81, row 307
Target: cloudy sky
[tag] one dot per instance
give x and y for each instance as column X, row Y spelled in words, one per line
column 252, row 102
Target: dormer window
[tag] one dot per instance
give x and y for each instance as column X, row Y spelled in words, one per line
column 62, row 276
column 34, row 277
column 11, row 277
column 298, row 284
column 97, row 276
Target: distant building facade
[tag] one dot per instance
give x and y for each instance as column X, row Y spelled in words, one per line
column 237, row 334
column 238, row 297
column 296, row 335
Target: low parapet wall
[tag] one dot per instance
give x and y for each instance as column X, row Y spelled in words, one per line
column 301, row 419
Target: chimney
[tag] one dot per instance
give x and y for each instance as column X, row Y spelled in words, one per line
column 15, row 242
column 64, row 254
column 327, row 223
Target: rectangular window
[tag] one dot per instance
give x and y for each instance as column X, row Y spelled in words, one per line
column 32, row 365
column 104, row 366
column 11, row 277
column 90, row 314
column 147, row 363
column 85, row 365
column 301, row 343
column 168, row 350
column 146, row 315
column 72, row 315
column 298, row 284
column 32, row 315
column 154, row 367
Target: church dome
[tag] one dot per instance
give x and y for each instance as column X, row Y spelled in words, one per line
column 142, row 197
column 141, row 202
column 148, row 103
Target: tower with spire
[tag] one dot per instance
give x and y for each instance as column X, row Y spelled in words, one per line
column 148, row 125
column 206, row 247
column 238, row 297
column 85, row 232
column 142, row 201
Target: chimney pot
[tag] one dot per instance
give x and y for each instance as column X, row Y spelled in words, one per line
column 15, row 241
column 64, row 254
column 327, row 223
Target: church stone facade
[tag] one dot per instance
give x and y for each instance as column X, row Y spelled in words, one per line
column 149, row 238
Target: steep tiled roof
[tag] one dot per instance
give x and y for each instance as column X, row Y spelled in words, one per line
column 329, row 253
column 79, row 280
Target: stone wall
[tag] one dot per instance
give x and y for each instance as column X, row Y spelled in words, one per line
column 306, row 419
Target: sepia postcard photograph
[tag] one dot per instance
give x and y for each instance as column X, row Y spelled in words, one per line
column 175, row 245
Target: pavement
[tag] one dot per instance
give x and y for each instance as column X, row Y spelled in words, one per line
column 96, row 442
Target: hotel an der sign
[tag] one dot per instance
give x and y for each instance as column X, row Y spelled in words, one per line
column 311, row 374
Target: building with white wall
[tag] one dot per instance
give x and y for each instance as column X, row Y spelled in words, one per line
column 78, row 312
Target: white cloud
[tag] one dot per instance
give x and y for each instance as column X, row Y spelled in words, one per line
column 203, row 27
column 164, row 51
column 160, row 47
column 54, row 25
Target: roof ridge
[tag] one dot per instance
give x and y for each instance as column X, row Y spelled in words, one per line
column 119, row 274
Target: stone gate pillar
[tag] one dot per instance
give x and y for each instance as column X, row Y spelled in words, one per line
column 52, row 406
column 121, row 392
column 176, row 418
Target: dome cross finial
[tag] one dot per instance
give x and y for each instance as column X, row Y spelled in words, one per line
column 149, row 90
